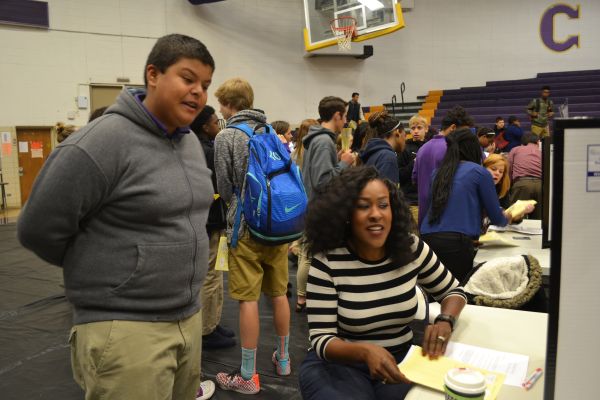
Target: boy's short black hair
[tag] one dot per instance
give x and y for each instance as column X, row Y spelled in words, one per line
column 97, row 113
column 171, row 48
column 529, row 137
column 197, row 125
column 545, row 87
column 512, row 119
column 499, row 118
column 355, row 94
column 329, row 105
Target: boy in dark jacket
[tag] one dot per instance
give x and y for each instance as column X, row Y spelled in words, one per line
column 381, row 151
column 513, row 134
column 214, row 336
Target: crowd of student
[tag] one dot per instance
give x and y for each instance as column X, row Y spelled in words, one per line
column 144, row 203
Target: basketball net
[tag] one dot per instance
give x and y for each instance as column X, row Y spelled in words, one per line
column 344, row 29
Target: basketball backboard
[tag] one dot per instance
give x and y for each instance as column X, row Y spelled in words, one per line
column 373, row 18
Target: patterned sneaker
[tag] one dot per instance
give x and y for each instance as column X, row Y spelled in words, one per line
column 206, row 390
column 284, row 366
column 235, row 382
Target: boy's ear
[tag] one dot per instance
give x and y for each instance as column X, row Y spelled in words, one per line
column 151, row 74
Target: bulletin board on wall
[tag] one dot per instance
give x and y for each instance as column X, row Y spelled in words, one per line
column 573, row 319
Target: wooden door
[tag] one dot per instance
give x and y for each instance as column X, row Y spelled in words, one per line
column 34, row 147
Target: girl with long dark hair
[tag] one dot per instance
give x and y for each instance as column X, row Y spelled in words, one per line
column 461, row 190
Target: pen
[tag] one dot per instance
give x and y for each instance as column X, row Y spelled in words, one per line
column 528, row 384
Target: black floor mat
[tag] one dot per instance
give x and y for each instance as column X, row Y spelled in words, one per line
column 35, row 319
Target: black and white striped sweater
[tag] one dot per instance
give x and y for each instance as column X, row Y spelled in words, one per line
column 361, row 301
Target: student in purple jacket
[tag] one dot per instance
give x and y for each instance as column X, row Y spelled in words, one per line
column 430, row 156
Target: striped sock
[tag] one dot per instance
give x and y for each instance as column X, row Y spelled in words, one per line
column 248, row 363
column 282, row 347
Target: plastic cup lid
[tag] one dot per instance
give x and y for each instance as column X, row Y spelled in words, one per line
column 465, row 381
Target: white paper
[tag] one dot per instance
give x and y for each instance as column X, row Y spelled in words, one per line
column 37, row 153
column 511, row 364
column 516, row 228
column 23, row 147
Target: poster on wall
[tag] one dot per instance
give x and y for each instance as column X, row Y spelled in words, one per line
column 23, row 147
column 6, row 144
column 593, row 170
column 37, row 149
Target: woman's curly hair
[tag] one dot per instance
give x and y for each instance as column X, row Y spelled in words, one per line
column 330, row 212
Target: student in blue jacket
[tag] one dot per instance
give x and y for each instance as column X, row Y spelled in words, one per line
column 388, row 139
column 513, row 133
column 461, row 190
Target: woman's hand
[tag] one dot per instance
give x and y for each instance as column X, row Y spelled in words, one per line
column 517, row 219
column 382, row 365
column 436, row 339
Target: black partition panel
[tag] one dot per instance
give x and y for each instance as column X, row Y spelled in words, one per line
column 547, row 172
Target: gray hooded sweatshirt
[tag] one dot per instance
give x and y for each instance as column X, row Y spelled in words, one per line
column 231, row 162
column 122, row 208
column 320, row 162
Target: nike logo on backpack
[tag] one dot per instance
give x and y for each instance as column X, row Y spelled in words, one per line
column 290, row 209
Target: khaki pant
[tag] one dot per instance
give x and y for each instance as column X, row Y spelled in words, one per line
column 303, row 267
column 211, row 295
column 528, row 189
column 130, row 360
column 414, row 211
column 541, row 131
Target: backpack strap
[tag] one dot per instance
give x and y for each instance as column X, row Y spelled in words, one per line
column 238, row 191
column 537, row 105
column 244, row 128
column 238, row 217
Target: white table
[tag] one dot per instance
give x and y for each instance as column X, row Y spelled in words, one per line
column 532, row 246
column 504, row 330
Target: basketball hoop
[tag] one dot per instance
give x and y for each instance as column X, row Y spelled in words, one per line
column 344, row 29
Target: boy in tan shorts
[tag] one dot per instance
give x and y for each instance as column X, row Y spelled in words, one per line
column 253, row 267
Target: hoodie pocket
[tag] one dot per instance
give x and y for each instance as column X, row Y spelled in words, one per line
column 162, row 276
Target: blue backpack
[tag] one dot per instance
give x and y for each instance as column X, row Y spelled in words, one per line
column 273, row 199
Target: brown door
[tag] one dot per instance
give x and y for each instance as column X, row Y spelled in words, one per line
column 34, row 147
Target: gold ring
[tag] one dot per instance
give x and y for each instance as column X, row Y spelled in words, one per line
column 441, row 338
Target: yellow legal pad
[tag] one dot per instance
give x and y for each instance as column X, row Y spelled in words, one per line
column 423, row 371
column 492, row 238
column 222, row 261
column 518, row 208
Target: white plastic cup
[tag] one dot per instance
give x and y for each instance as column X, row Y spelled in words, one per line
column 464, row 384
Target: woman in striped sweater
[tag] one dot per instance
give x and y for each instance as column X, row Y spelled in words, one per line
column 361, row 291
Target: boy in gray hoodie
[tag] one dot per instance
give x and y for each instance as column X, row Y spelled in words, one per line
column 320, row 161
column 121, row 205
column 320, row 164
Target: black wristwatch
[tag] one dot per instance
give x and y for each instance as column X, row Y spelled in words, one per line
column 446, row 318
